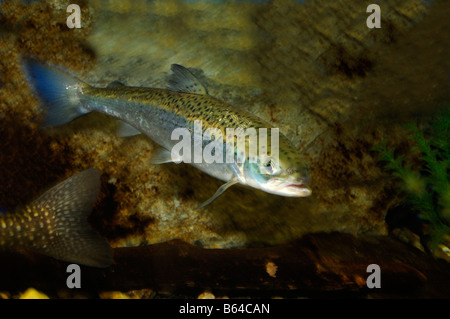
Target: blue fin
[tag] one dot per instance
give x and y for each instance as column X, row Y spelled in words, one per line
column 58, row 90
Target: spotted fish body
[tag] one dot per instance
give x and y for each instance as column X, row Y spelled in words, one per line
column 55, row 224
column 158, row 112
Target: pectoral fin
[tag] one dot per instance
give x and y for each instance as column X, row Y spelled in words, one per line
column 161, row 156
column 219, row 192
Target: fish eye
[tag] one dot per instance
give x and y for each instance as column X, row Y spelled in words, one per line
column 269, row 167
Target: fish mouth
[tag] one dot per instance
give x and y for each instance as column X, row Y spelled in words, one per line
column 289, row 189
column 300, row 189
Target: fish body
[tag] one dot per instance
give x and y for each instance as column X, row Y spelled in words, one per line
column 158, row 112
column 55, row 224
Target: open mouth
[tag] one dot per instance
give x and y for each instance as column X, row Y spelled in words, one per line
column 299, row 186
column 300, row 189
column 288, row 188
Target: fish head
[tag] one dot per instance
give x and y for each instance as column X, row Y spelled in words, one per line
column 285, row 175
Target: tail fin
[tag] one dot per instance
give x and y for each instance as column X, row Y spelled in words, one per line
column 58, row 90
column 74, row 240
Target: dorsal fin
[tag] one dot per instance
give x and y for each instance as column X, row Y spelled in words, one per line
column 183, row 81
column 115, row 84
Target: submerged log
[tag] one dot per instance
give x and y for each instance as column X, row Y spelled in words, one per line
column 315, row 265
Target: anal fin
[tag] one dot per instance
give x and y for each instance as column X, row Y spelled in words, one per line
column 125, row 130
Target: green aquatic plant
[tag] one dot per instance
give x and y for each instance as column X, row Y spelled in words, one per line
column 427, row 187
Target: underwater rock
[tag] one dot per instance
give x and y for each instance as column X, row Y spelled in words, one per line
column 317, row 265
column 302, row 67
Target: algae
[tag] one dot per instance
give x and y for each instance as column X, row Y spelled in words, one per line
column 427, row 186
